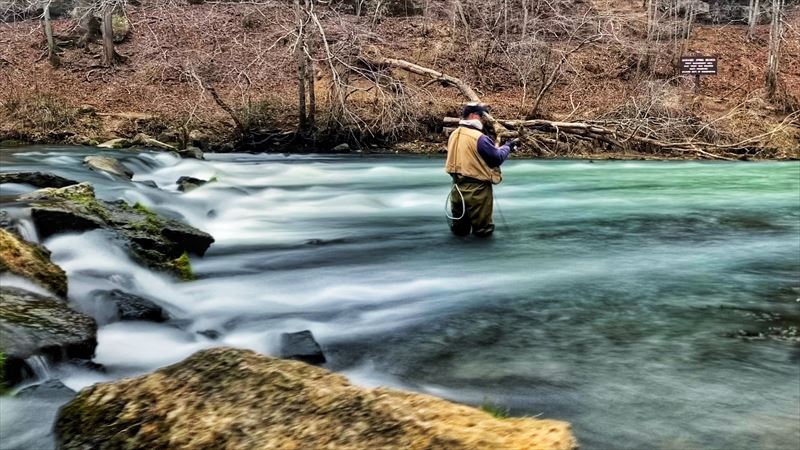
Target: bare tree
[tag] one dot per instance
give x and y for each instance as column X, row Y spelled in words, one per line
column 775, row 39
column 753, row 17
column 96, row 17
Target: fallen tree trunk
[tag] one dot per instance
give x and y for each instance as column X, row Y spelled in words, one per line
column 605, row 133
column 378, row 62
column 541, row 134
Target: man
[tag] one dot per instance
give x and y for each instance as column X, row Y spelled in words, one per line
column 473, row 162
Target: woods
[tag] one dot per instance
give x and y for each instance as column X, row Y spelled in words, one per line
column 358, row 79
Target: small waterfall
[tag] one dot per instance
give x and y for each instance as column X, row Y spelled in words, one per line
column 40, row 367
column 27, row 230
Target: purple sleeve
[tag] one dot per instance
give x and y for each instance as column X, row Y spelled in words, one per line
column 494, row 156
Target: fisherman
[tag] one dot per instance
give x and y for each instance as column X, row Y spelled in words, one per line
column 473, row 162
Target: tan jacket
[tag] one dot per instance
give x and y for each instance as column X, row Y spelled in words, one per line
column 463, row 157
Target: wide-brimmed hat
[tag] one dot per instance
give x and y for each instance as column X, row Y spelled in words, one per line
column 474, row 108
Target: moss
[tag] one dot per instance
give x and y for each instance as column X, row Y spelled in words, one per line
column 183, row 267
column 494, row 410
column 213, row 179
column 150, row 223
column 32, row 262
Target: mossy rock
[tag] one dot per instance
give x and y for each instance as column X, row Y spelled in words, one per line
column 36, row 179
column 31, row 261
column 231, row 398
column 160, row 243
column 33, row 324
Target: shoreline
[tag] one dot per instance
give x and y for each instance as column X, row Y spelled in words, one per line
column 401, row 149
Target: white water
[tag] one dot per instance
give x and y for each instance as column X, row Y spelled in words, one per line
column 604, row 301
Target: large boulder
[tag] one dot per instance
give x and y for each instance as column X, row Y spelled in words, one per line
column 230, row 398
column 108, row 165
column 31, row 261
column 156, row 241
column 37, row 179
column 37, row 325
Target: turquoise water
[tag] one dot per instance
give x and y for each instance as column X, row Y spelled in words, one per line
column 624, row 297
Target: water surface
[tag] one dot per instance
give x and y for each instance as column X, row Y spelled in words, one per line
column 611, row 295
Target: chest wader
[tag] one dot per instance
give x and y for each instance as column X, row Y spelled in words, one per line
column 471, row 203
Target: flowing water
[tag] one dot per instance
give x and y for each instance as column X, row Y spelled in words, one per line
column 624, row 297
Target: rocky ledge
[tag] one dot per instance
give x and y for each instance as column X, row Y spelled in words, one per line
column 37, row 325
column 157, row 242
column 228, row 398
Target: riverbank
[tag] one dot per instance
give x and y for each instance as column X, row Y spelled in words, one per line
column 254, row 107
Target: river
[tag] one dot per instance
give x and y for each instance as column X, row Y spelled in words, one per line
column 610, row 296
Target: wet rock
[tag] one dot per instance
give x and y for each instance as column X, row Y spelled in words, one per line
column 211, row 334
column 31, row 261
column 115, row 143
column 191, row 152
column 231, row 398
column 109, row 165
column 186, row 184
column 148, row 183
column 36, row 179
column 341, row 148
column 301, row 346
column 36, row 325
column 50, row 389
column 132, row 307
column 7, row 222
column 156, row 241
column 86, row 364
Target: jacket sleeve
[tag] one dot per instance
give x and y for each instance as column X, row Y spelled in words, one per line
column 494, row 156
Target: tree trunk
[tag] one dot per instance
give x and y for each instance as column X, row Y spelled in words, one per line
column 312, row 97
column 755, row 15
column 108, row 36
column 300, row 60
column 52, row 54
column 775, row 38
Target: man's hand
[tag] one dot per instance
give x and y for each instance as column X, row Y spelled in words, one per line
column 513, row 144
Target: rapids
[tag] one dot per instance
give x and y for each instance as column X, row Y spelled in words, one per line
column 610, row 295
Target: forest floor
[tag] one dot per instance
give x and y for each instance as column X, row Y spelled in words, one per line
column 245, row 51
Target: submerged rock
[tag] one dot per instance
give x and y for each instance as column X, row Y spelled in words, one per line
column 158, row 242
column 186, row 184
column 132, row 307
column 230, row 398
column 31, row 261
column 109, row 165
column 36, row 325
column 211, row 334
column 37, row 179
column 301, row 346
column 50, row 389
